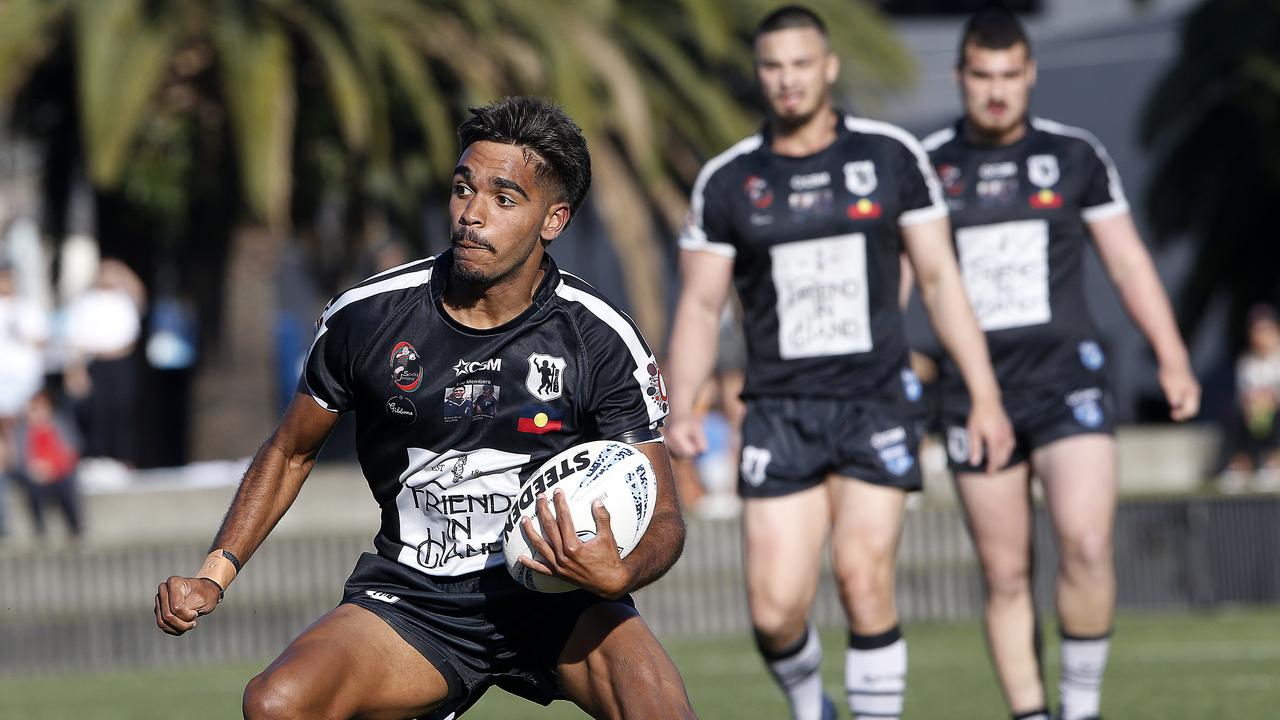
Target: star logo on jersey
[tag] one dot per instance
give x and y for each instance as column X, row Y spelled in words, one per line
column 465, row 367
column 406, row 367
column 540, row 420
column 860, row 177
column 758, row 192
column 864, row 209
column 1046, row 199
column 1042, row 170
column 545, row 380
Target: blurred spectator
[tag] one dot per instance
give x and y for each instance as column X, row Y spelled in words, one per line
column 24, row 328
column 102, row 329
column 1251, row 441
column 46, row 452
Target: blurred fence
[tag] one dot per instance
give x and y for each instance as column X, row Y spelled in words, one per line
column 91, row 609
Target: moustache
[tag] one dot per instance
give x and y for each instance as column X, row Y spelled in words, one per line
column 467, row 235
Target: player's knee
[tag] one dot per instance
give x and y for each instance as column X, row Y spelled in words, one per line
column 274, row 696
column 867, row 583
column 777, row 619
column 1007, row 580
column 1086, row 553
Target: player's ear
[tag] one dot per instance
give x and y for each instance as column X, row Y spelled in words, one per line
column 832, row 70
column 554, row 222
column 1031, row 72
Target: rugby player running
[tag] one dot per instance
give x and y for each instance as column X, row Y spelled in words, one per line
column 1027, row 195
column 432, row 619
column 808, row 219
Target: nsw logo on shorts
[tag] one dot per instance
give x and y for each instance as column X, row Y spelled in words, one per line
column 911, row 386
column 891, row 446
column 1091, row 355
column 1086, row 407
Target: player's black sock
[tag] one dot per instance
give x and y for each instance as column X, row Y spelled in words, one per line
column 1039, row 714
column 795, row 667
column 875, row 674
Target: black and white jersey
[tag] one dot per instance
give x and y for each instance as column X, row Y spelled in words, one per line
column 450, row 420
column 1019, row 217
column 815, row 243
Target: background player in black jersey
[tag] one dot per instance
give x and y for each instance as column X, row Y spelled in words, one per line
column 433, row 619
column 1027, row 195
column 809, row 219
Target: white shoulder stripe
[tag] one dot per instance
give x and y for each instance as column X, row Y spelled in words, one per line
column 694, row 236
column 611, row 317
column 355, row 295
column 1114, row 185
column 399, row 268
column 875, row 127
column 938, row 138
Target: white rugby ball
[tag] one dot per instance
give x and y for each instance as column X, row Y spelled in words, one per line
column 615, row 472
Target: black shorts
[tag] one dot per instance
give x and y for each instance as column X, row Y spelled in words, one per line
column 478, row 630
column 1039, row 417
column 790, row 444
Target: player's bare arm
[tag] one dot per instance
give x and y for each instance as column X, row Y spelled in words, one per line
column 268, row 488
column 1134, row 274
column 928, row 245
column 594, row 565
column 705, row 279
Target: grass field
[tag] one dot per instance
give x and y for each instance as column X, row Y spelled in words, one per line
column 1162, row 666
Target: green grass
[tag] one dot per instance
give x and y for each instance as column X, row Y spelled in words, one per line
column 1163, row 666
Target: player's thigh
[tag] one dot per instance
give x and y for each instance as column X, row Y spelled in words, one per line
column 349, row 663
column 998, row 511
column 1079, row 477
column 612, row 663
column 784, row 536
column 867, row 521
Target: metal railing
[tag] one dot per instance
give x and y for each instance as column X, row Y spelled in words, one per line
column 91, row 609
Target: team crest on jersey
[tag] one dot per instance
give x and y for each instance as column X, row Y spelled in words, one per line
column 758, row 192
column 546, row 376
column 406, row 367
column 952, row 182
column 860, row 177
column 1042, row 170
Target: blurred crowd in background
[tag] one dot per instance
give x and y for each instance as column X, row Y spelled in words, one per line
column 163, row 257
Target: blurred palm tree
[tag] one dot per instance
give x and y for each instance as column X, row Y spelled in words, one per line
column 212, row 132
column 1213, row 122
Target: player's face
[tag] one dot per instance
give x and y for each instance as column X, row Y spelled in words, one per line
column 1264, row 335
column 996, row 85
column 796, row 70
column 501, row 213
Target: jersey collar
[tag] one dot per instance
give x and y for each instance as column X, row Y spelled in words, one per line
column 545, row 291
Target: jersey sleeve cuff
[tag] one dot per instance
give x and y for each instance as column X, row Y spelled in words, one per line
column 324, row 405
column 639, row 436
column 1105, row 210
column 920, row 215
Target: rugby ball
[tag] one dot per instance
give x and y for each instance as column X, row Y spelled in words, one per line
column 615, row 472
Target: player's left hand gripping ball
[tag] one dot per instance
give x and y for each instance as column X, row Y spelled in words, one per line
column 564, row 544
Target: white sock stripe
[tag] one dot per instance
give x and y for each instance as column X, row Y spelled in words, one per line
column 1084, row 663
column 876, row 680
column 800, row 680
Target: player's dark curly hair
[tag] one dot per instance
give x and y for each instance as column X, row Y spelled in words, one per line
column 550, row 139
column 993, row 29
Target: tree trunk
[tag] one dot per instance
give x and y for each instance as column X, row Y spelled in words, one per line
column 234, row 407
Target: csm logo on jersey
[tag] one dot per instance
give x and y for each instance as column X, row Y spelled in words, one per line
column 464, row 367
column 545, row 379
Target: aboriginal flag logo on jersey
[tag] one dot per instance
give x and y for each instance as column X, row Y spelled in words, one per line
column 406, row 367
